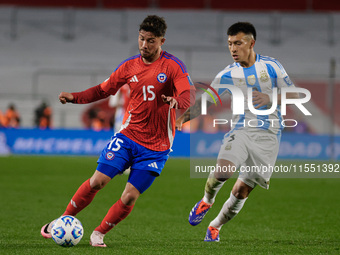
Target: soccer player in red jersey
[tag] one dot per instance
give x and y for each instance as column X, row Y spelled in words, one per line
column 159, row 84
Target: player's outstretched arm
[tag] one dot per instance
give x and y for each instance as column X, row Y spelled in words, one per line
column 84, row 97
column 65, row 97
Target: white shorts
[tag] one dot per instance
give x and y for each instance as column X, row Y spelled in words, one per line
column 253, row 153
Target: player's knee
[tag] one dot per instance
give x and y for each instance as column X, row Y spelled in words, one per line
column 221, row 176
column 224, row 169
column 99, row 180
column 240, row 195
column 241, row 192
column 129, row 197
column 97, row 184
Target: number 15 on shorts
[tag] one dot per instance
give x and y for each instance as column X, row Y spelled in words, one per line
column 115, row 144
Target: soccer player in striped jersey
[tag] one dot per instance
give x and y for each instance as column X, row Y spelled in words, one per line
column 251, row 145
column 159, row 84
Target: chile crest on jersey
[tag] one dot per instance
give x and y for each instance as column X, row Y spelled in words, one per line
column 110, row 155
column 161, row 77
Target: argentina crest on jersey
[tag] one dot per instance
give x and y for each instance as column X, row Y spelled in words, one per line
column 161, row 77
column 251, row 79
column 264, row 76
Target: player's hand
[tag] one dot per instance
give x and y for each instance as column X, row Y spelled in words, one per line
column 170, row 100
column 65, row 97
column 260, row 99
column 179, row 124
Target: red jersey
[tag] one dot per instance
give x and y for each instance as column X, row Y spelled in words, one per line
column 148, row 120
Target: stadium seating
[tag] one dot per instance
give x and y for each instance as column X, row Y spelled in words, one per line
column 40, row 61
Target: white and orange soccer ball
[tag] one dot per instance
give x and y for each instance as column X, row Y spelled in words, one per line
column 67, row 231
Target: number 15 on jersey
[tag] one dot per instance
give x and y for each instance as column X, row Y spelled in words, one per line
column 148, row 93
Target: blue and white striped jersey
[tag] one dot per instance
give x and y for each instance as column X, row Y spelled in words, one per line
column 266, row 74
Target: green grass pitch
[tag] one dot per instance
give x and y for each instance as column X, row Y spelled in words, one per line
column 295, row 216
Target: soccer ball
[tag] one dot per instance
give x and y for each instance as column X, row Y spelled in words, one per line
column 67, row 231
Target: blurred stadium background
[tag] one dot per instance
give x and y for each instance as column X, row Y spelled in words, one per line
column 54, row 46
column 59, row 46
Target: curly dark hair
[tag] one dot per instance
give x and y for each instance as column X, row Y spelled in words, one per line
column 244, row 27
column 154, row 24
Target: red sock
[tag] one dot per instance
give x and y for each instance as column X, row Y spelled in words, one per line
column 116, row 214
column 81, row 199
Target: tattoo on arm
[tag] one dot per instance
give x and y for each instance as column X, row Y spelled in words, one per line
column 194, row 111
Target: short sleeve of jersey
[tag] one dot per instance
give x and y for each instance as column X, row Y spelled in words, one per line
column 282, row 79
column 116, row 80
column 223, row 77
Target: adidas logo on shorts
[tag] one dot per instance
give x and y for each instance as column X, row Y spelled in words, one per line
column 154, row 165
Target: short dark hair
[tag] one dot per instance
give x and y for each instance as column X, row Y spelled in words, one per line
column 155, row 25
column 244, row 27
